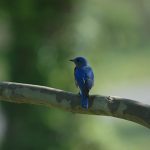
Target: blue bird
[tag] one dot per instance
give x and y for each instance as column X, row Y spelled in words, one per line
column 84, row 79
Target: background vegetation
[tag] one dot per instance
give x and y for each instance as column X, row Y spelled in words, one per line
column 37, row 38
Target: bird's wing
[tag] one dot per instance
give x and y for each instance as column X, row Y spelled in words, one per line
column 89, row 77
column 85, row 79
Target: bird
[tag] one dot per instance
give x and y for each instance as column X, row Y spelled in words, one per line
column 84, row 79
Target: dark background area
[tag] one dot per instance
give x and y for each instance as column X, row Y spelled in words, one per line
column 38, row 37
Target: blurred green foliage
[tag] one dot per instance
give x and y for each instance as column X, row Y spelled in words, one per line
column 37, row 38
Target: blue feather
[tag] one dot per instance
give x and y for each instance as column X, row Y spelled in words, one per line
column 84, row 79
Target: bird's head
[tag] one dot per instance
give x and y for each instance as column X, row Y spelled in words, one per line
column 79, row 61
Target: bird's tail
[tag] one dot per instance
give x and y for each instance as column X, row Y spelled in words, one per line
column 85, row 101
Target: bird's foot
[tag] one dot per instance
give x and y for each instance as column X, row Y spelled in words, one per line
column 79, row 94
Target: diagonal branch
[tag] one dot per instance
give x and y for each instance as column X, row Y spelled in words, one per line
column 99, row 105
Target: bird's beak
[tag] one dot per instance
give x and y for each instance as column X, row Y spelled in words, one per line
column 71, row 60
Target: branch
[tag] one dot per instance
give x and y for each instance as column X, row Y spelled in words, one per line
column 99, row 105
